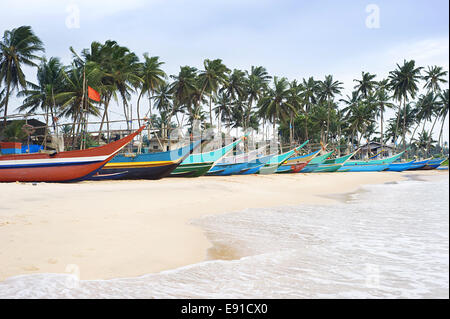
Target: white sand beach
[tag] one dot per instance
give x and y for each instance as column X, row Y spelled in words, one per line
column 114, row 229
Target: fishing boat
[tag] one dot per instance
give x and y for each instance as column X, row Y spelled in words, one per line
column 433, row 163
column 296, row 164
column 254, row 166
column 272, row 165
column 418, row 165
column 235, row 164
column 146, row 165
column 60, row 166
column 199, row 164
column 400, row 167
column 369, row 165
column 333, row 165
column 314, row 163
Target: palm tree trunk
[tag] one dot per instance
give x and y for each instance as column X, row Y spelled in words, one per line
column 396, row 126
column 431, row 133
column 105, row 113
column 46, row 128
column 210, row 109
column 149, row 103
column 414, row 132
column 6, row 103
column 328, row 122
column 137, row 109
column 125, row 111
column 306, row 126
column 381, row 129
column 404, row 124
column 440, row 135
column 290, row 131
column 273, row 126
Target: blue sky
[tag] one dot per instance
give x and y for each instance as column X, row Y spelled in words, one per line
column 295, row 39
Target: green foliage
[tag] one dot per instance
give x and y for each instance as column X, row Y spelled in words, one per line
column 14, row 132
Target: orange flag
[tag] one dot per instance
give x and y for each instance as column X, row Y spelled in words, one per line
column 93, row 94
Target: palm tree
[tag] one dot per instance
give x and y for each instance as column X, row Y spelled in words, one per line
column 103, row 58
column 404, row 81
column 50, row 78
column 308, row 95
column 71, row 97
column 295, row 100
column 163, row 103
column 366, row 85
column 434, row 77
column 18, row 48
column 426, row 107
column 223, row 108
column 382, row 99
column 255, row 85
column 183, row 87
column 211, row 78
column 152, row 77
column 443, row 112
column 275, row 104
column 360, row 116
column 328, row 89
column 234, row 89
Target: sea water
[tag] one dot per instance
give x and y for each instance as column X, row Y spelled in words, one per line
column 384, row 241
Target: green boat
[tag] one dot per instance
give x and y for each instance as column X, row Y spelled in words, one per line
column 273, row 164
column 314, row 163
column 199, row 164
column 332, row 165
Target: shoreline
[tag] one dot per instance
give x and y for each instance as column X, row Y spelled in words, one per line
column 117, row 229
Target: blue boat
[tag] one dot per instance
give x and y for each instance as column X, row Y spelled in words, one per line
column 363, row 168
column 400, row 167
column 434, row 163
column 235, row 164
column 145, row 165
column 370, row 165
column 418, row 165
column 315, row 162
column 254, row 166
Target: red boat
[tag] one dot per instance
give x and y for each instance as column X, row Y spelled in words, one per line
column 62, row 166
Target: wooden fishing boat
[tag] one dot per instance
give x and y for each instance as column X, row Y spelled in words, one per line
column 315, row 162
column 296, row 164
column 370, row 165
column 400, row 167
column 272, row 165
column 60, row 166
column 254, row 166
column 199, row 164
column 333, row 165
column 418, row 165
column 235, row 164
column 145, row 165
column 433, row 163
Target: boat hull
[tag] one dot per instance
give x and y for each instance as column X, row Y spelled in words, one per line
column 192, row 170
column 327, row 168
column 363, row 168
column 295, row 168
column 399, row 167
column 60, row 167
column 145, row 166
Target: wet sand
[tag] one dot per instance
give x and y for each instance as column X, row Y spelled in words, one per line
column 114, row 229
